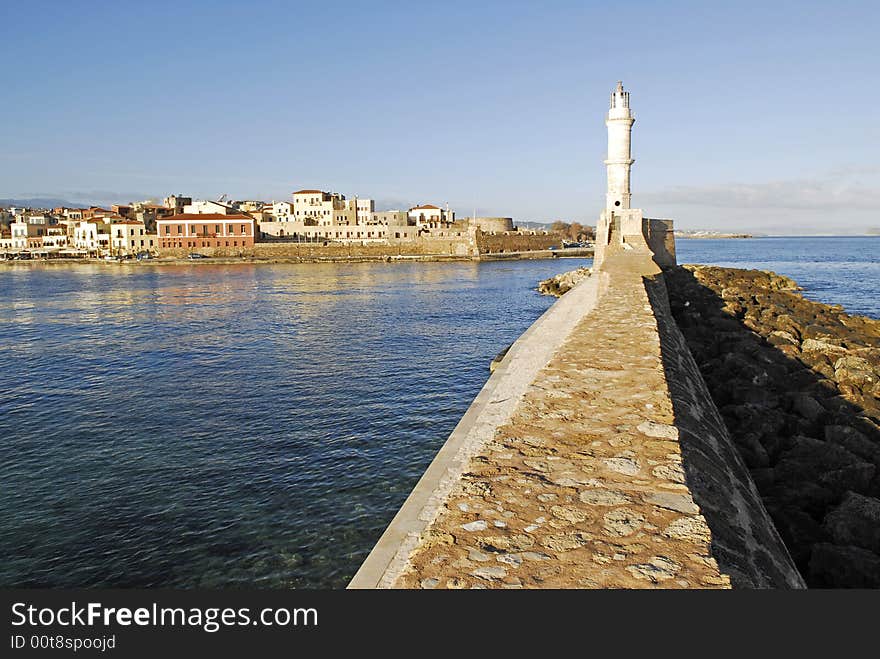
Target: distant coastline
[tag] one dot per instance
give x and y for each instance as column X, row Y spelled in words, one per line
column 711, row 235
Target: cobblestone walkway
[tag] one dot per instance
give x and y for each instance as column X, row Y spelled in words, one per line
column 584, row 488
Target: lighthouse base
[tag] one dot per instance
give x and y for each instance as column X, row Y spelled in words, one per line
column 628, row 229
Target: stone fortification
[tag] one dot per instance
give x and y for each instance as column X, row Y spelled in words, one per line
column 471, row 245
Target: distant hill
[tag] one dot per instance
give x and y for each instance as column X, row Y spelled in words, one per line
column 42, row 202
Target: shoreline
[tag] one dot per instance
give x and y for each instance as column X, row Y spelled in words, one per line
column 396, row 258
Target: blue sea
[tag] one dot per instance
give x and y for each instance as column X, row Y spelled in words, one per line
column 260, row 425
column 233, row 425
column 834, row 270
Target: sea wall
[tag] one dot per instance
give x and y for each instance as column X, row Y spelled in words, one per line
column 593, row 457
column 318, row 251
column 514, row 241
column 470, row 245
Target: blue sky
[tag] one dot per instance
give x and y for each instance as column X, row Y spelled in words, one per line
column 747, row 116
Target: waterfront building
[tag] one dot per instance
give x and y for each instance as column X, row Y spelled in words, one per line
column 25, row 234
column 319, row 208
column 197, row 230
column 131, row 237
column 56, row 237
column 92, row 235
column 282, row 211
column 364, row 211
column 428, row 216
column 394, row 218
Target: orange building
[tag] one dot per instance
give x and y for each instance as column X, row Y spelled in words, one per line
column 196, row 230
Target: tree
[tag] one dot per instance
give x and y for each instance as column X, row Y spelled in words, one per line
column 559, row 227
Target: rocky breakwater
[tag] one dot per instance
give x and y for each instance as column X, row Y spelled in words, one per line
column 562, row 283
column 798, row 385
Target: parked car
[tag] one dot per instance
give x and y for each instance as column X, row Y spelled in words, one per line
column 143, row 255
column 195, row 255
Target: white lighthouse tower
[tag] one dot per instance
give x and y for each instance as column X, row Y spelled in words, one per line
column 619, row 121
column 621, row 227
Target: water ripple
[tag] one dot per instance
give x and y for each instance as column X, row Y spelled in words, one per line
column 226, row 426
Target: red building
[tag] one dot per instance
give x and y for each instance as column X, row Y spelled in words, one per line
column 194, row 230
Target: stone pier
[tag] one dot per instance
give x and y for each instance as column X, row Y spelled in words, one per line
column 593, row 458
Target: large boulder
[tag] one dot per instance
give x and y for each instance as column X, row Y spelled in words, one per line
column 824, row 464
column 854, row 441
column 856, row 521
column 836, row 566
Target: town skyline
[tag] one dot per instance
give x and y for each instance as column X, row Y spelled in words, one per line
column 738, row 115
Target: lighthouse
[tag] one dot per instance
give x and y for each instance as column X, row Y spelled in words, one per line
column 619, row 163
column 622, row 228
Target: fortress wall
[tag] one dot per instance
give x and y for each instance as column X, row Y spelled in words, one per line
column 514, row 241
column 467, row 245
column 315, row 251
column 493, row 224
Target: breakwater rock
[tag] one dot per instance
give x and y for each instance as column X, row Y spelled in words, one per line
column 562, row 283
column 798, row 385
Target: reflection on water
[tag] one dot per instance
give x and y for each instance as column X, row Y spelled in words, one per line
column 232, row 425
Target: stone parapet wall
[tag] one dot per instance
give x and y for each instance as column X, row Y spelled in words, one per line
column 316, row 251
column 745, row 542
column 514, row 241
column 470, row 245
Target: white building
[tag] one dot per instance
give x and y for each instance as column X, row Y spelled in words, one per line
column 319, row 208
column 282, row 211
column 56, row 237
column 428, row 216
column 92, row 235
column 131, row 237
column 203, row 207
column 365, row 210
column 26, row 235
